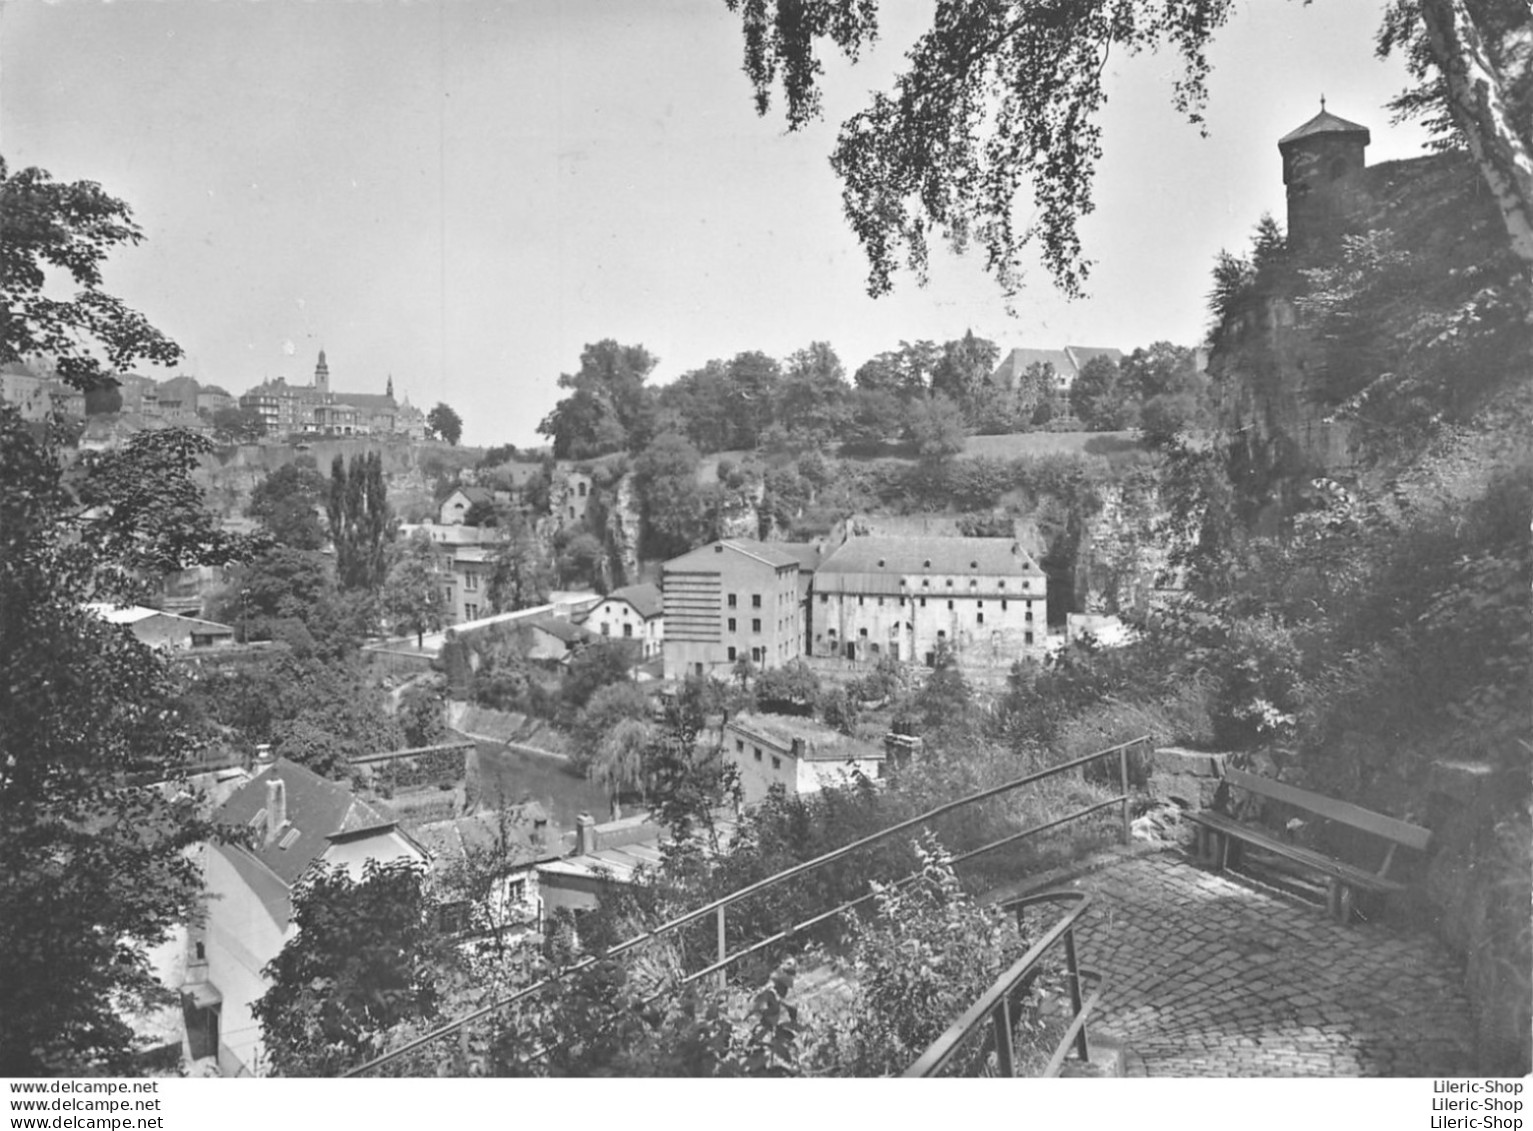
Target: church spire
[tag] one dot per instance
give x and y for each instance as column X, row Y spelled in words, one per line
column 389, row 390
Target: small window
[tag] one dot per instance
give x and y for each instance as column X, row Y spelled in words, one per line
column 880, row 563
column 863, row 633
column 1001, row 585
column 732, row 600
column 925, row 583
column 860, row 602
column 927, row 564
column 582, row 490
column 1027, row 638
column 731, row 624
column 950, row 606
column 880, row 602
column 757, row 655
column 1026, row 585
column 941, row 634
column 979, row 618
column 973, row 584
column 739, row 746
column 755, row 600
column 1004, row 603
column 950, row 583
column 756, row 624
column 923, row 602
column 627, row 629
column 698, row 667
column 776, row 762
column 731, row 655
column 824, row 598
column 202, row 952
column 973, row 565
column 606, row 629
column 1029, row 617
column 757, row 751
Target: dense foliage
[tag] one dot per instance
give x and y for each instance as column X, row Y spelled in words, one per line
column 93, row 872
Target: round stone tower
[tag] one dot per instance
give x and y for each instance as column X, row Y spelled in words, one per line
column 1323, row 168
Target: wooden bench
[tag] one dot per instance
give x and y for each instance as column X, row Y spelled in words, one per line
column 1220, row 839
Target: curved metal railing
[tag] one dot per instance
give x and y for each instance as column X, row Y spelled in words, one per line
column 997, row 1006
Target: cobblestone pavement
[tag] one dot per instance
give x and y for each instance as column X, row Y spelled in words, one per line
column 1210, row 977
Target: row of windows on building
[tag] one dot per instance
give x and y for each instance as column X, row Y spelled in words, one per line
column 756, row 750
column 979, row 604
column 733, row 600
column 782, row 625
column 894, row 631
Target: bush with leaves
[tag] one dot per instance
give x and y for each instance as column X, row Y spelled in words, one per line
column 924, row 956
column 367, row 956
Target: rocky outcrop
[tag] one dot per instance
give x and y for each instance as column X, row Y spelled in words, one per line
column 1121, row 557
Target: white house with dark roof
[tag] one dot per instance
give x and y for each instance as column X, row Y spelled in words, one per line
column 634, row 612
column 800, row 755
column 903, row 598
column 457, row 505
column 298, row 821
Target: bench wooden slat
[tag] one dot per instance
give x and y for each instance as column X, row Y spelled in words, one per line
column 1343, row 871
column 1390, row 828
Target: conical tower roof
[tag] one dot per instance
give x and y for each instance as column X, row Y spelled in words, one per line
column 1324, row 123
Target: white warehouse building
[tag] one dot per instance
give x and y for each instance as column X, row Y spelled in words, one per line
column 985, row 598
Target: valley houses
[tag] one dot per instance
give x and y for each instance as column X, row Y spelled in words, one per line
column 866, row 599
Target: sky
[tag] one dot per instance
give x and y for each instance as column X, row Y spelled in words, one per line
column 461, row 195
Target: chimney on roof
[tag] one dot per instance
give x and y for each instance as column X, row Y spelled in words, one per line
column 276, row 808
column 798, row 748
column 263, row 757
column 586, row 839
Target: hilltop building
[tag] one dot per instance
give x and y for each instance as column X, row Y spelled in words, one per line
column 1067, row 363
column 35, row 397
column 317, row 408
column 1323, row 166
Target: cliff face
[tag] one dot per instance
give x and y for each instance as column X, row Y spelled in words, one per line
column 620, row 532
column 1121, row 557
column 1334, row 355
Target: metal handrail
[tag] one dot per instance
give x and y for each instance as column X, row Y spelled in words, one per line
column 995, row 1004
column 718, row 906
